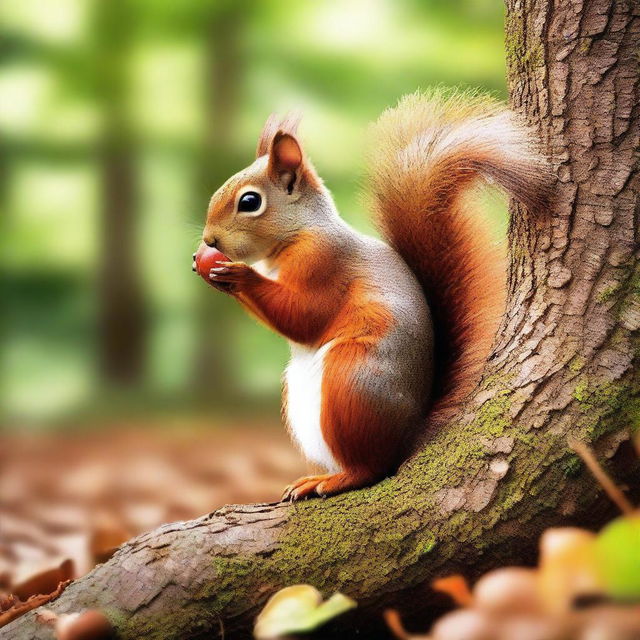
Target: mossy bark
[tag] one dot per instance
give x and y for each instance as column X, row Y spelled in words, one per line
column 480, row 491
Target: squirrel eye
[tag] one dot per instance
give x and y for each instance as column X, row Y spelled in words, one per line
column 250, row 201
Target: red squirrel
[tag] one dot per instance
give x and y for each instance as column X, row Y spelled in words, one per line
column 386, row 337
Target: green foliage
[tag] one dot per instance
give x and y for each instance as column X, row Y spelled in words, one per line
column 140, row 78
column 618, row 554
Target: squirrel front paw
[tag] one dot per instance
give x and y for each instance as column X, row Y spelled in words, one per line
column 231, row 276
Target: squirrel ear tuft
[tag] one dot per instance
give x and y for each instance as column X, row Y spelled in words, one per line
column 274, row 124
column 269, row 130
column 285, row 159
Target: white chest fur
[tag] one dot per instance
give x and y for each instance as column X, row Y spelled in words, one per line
column 304, row 384
column 266, row 268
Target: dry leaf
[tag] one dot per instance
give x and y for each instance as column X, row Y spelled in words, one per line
column 298, row 609
column 45, row 581
column 105, row 538
column 508, row 590
column 394, row 622
column 456, row 587
column 20, row 608
column 568, row 567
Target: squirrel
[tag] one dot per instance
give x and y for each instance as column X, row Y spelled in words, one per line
column 387, row 338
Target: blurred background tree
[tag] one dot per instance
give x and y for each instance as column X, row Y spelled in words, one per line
column 119, row 118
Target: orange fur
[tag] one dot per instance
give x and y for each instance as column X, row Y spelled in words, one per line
column 309, row 310
column 428, row 151
column 302, row 303
column 360, row 436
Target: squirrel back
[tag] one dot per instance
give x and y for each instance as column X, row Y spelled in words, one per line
column 429, row 150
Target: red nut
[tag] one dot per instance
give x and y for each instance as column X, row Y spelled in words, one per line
column 207, row 258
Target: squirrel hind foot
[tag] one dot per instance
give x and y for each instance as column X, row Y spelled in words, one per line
column 304, row 487
column 327, row 485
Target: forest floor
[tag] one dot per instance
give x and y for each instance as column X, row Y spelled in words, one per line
column 68, row 499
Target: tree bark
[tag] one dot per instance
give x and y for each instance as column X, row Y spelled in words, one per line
column 122, row 310
column 213, row 377
column 482, row 490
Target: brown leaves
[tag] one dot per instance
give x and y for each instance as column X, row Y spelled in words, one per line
column 44, row 582
column 68, row 502
column 456, row 587
column 585, row 586
column 12, row 607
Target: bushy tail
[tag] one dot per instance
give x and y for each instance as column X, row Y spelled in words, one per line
column 426, row 153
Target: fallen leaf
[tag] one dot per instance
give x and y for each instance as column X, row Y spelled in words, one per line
column 394, row 622
column 456, row 587
column 90, row 625
column 20, row 608
column 617, row 552
column 508, row 590
column 567, row 567
column 298, row 609
column 45, row 581
column 105, row 538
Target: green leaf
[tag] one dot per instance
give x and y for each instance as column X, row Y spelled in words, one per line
column 618, row 556
column 298, row 609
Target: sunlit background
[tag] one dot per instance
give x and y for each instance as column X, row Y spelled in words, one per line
column 119, row 118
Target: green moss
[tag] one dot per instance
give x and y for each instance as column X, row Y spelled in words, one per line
column 581, row 392
column 534, row 57
column 514, row 42
column 519, row 53
column 427, row 546
column 572, row 466
column 577, row 363
column 608, row 292
column 493, row 416
column 585, row 45
column 607, row 406
column 607, row 396
column 229, row 573
column 632, row 300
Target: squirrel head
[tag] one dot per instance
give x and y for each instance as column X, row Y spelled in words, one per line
column 264, row 206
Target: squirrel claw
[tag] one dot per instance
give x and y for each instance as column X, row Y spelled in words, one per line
column 329, row 484
column 303, row 488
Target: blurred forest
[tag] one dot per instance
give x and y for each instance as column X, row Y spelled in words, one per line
column 118, row 119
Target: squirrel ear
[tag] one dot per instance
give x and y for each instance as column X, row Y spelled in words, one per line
column 273, row 125
column 285, row 160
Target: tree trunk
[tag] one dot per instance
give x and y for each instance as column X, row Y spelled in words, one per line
column 213, row 370
column 482, row 490
column 122, row 325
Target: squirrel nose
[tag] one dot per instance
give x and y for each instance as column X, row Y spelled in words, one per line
column 211, row 243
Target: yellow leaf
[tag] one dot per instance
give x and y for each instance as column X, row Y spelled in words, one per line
column 568, row 567
column 298, row 609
